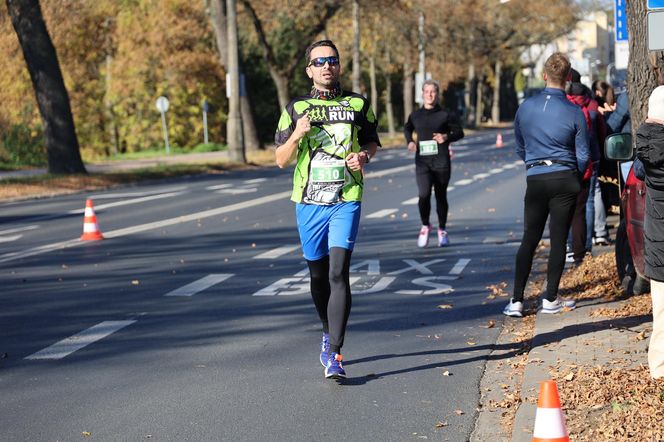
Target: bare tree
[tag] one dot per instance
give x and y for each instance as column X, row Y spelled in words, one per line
column 62, row 147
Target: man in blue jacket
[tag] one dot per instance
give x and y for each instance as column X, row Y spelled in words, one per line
column 552, row 139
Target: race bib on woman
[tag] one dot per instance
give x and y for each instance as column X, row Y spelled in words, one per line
column 429, row 147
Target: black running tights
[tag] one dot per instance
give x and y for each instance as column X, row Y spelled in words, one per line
column 548, row 194
column 427, row 178
column 330, row 290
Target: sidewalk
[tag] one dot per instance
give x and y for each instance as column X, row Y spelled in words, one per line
column 113, row 166
column 589, row 351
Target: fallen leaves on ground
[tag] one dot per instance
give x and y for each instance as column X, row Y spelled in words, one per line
column 637, row 305
column 497, row 290
column 612, row 404
column 595, row 278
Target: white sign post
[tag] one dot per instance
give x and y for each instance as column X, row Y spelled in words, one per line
column 206, row 109
column 162, row 106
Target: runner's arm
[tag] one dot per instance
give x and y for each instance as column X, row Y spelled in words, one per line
column 285, row 152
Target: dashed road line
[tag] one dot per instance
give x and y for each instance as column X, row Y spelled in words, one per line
column 127, row 202
column 255, row 181
column 411, row 202
column 76, row 342
column 276, row 253
column 200, row 285
column 459, row 266
column 382, row 213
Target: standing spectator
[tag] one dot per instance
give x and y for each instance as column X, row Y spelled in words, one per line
column 552, row 139
column 584, row 216
column 436, row 128
column 650, row 150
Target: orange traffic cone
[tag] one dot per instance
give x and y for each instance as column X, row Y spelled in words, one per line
column 549, row 420
column 90, row 227
column 499, row 140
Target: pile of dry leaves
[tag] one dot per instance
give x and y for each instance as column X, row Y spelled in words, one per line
column 610, row 402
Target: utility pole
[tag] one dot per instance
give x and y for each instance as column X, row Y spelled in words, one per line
column 234, row 124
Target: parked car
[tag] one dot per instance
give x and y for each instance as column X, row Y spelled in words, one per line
column 629, row 243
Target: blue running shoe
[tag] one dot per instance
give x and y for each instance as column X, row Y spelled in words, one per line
column 325, row 349
column 333, row 368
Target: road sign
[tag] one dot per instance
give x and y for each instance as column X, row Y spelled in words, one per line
column 621, row 20
column 655, row 4
column 162, row 104
column 655, row 30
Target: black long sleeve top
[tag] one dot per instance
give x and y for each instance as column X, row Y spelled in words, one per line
column 426, row 122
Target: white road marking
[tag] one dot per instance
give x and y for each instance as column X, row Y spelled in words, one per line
column 451, row 188
column 391, row 171
column 10, row 238
column 276, row 253
column 19, row 229
column 149, row 226
column 430, row 281
column 109, row 196
column 411, row 202
column 463, row 182
column 382, row 213
column 127, row 202
column 198, row 286
column 73, row 343
column 219, row 186
column 238, row 191
column 379, row 286
column 414, row 265
column 459, row 266
column 481, row 176
column 255, row 181
column 494, row 171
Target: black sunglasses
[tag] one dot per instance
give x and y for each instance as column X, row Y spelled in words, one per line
column 319, row 62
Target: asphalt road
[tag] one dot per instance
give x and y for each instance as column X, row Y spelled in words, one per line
column 192, row 320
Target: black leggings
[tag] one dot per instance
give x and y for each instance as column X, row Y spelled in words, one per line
column 555, row 194
column 330, row 289
column 427, row 177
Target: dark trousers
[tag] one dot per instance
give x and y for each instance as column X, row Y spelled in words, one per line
column 330, row 290
column 579, row 226
column 428, row 176
column 551, row 194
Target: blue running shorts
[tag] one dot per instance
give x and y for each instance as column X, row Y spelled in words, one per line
column 323, row 227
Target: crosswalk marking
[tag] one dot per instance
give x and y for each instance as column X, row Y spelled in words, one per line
column 382, row 213
column 198, row 286
column 459, row 266
column 73, row 343
column 276, row 253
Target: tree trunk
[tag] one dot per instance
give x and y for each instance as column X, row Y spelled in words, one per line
column 234, row 123
column 389, row 107
column 108, row 108
column 217, row 12
column 62, row 147
column 407, row 90
column 374, row 88
column 357, row 71
column 495, row 107
column 479, row 105
column 468, row 96
column 645, row 70
column 281, row 82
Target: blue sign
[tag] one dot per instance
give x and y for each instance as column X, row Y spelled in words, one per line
column 621, row 18
column 655, row 4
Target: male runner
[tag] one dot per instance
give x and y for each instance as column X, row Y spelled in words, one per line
column 435, row 128
column 332, row 134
